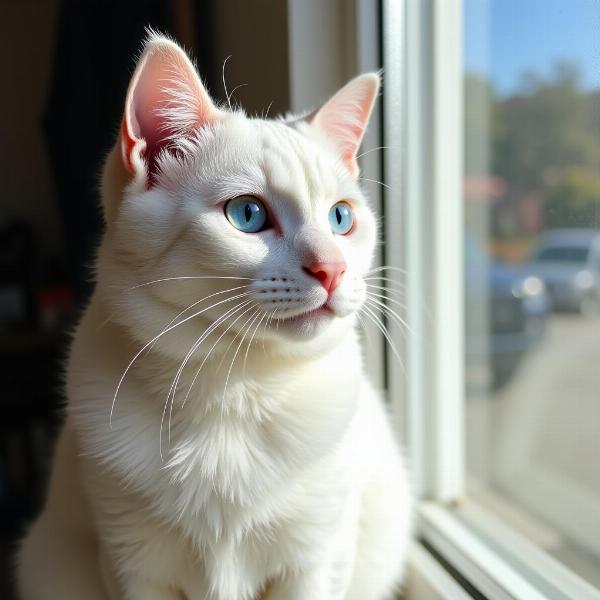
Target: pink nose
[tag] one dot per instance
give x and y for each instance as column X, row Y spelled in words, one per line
column 328, row 273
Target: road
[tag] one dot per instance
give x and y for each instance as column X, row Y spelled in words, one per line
column 536, row 441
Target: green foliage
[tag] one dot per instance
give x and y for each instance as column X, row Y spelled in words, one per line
column 549, row 127
column 575, row 200
column 543, row 141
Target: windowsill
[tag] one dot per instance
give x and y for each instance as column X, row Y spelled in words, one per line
column 426, row 579
column 501, row 563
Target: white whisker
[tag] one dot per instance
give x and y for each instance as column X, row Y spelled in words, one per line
column 155, row 338
column 365, row 329
column 372, row 150
column 270, row 321
column 385, row 185
column 181, row 313
column 175, row 383
column 384, row 289
column 233, row 92
column 401, row 294
column 387, row 268
column 208, row 354
column 250, row 342
column 388, row 312
column 185, row 277
column 173, row 389
column 233, row 340
column 403, row 285
column 377, row 321
column 252, row 317
column 267, row 323
column 210, row 329
column 393, row 300
column 224, row 84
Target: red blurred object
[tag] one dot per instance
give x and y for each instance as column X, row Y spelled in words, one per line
column 55, row 305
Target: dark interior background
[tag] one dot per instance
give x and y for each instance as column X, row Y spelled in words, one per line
column 65, row 67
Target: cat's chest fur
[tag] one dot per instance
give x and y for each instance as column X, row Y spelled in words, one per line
column 230, row 461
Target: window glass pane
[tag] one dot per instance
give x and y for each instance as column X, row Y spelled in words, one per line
column 532, row 258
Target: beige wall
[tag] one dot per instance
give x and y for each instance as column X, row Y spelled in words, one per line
column 26, row 51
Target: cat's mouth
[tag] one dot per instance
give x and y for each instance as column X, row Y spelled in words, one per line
column 321, row 312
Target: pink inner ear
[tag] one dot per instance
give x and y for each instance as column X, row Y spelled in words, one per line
column 165, row 100
column 344, row 117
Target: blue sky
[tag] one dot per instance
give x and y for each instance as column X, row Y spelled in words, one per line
column 503, row 38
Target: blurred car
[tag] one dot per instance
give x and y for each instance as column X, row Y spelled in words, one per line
column 568, row 260
column 514, row 308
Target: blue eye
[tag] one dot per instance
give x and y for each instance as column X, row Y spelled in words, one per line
column 341, row 218
column 246, row 213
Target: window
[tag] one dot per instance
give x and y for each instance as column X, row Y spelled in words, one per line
column 492, row 129
column 532, row 203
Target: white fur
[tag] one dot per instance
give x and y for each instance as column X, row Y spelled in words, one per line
column 276, row 474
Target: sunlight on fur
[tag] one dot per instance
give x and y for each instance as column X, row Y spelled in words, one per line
column 222, row 441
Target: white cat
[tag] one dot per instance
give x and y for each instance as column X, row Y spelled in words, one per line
column 244, row 454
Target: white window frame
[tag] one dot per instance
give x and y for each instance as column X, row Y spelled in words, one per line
column 424, row 231
column 423, row 228
column 423, row 123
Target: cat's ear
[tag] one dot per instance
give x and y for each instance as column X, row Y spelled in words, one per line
column 344, row 117
column 165, row 100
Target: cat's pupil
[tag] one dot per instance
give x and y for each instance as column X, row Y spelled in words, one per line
column 338, row 215
column 248, row 213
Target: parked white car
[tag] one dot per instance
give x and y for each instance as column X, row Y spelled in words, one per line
column 568, row 261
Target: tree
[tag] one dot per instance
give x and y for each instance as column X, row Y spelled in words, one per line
column 543, row 141
column 575, row 200
column 550, row 125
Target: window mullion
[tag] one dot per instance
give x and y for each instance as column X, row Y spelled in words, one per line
column 447, row 239
column 424, row 232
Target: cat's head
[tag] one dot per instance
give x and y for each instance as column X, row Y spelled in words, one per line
column 253, row 224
